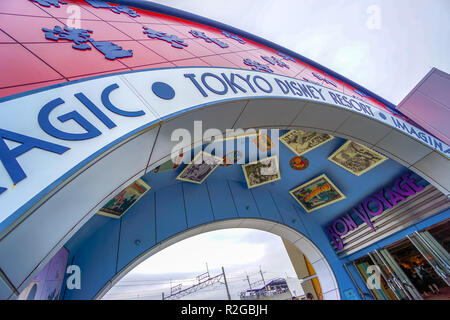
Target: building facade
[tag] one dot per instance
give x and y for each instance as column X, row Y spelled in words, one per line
column 106, row 106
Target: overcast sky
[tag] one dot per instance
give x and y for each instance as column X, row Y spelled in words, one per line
column 240, row 251
column 386, row 46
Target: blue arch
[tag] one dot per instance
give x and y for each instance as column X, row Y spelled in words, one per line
column 104, row 247
column 113, row 244
column 172, row 210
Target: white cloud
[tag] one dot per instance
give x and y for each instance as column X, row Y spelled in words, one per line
column 211, row 247
column 239, row 251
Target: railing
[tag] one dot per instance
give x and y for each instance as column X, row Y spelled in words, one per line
column 258, row 295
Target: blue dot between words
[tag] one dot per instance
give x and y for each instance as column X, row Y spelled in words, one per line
column 163, row 90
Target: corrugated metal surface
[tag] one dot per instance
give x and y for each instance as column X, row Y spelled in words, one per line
column 422, row 205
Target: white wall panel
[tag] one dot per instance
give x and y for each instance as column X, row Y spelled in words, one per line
column 222, row 117
column 50, row 223
column 331, row 295
column 286, row 233
column 309, row 250
column 326, row 277
column 436, row 167
column 269, row 113
column 363, row 130
column 402, row 148
column 316, row 115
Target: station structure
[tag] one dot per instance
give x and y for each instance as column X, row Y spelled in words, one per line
column 106, row 106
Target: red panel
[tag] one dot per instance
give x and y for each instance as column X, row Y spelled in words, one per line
column 157, row 65
column 185, row 30
column 293, row 69
column 23, row 7
column 307, row 74
column 253, row 55
column 233, row 46
column 166, row 50
column 141, row 54
column 322, row 76
column 209, row 31
column 297, row 67
column 145, row 17
column 218, row 61
column 166, row 29
column 26, row 29
column 132, row 29
column 339, row 85
column 164, row 19
column 63, row 12
column 258, row 54
column 242, row 47
column 283, row 70
column 253, row 45
column 19, row 89
column 197, row 49
column 195, row 62
column 348, row 90
column 98, row 74
column 24, row 22
column 212, row 46
column 382, row 106
column 236, row 59
column 71, row 62
column 19, row 66
column 102, row 31
column 107, row 15
column 5, row 38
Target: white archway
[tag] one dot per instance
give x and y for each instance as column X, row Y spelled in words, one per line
column 56, row 214
column 323, row 270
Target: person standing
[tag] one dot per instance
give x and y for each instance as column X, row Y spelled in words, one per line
column 414, row 278
column 427, row 279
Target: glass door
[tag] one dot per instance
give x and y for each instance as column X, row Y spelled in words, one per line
column 367, row 268
column 396, row 278
column 436, row 255
column 358, row 275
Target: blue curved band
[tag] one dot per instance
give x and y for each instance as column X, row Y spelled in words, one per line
column 107, row 103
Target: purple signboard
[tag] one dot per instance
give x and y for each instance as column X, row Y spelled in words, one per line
column 373, row 206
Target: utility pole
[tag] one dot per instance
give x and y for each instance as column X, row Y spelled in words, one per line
column 163, row 295
column 226, row 284
column 248, row 280
column 260, row 271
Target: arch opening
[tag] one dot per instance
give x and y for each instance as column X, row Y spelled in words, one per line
column 324, row 271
